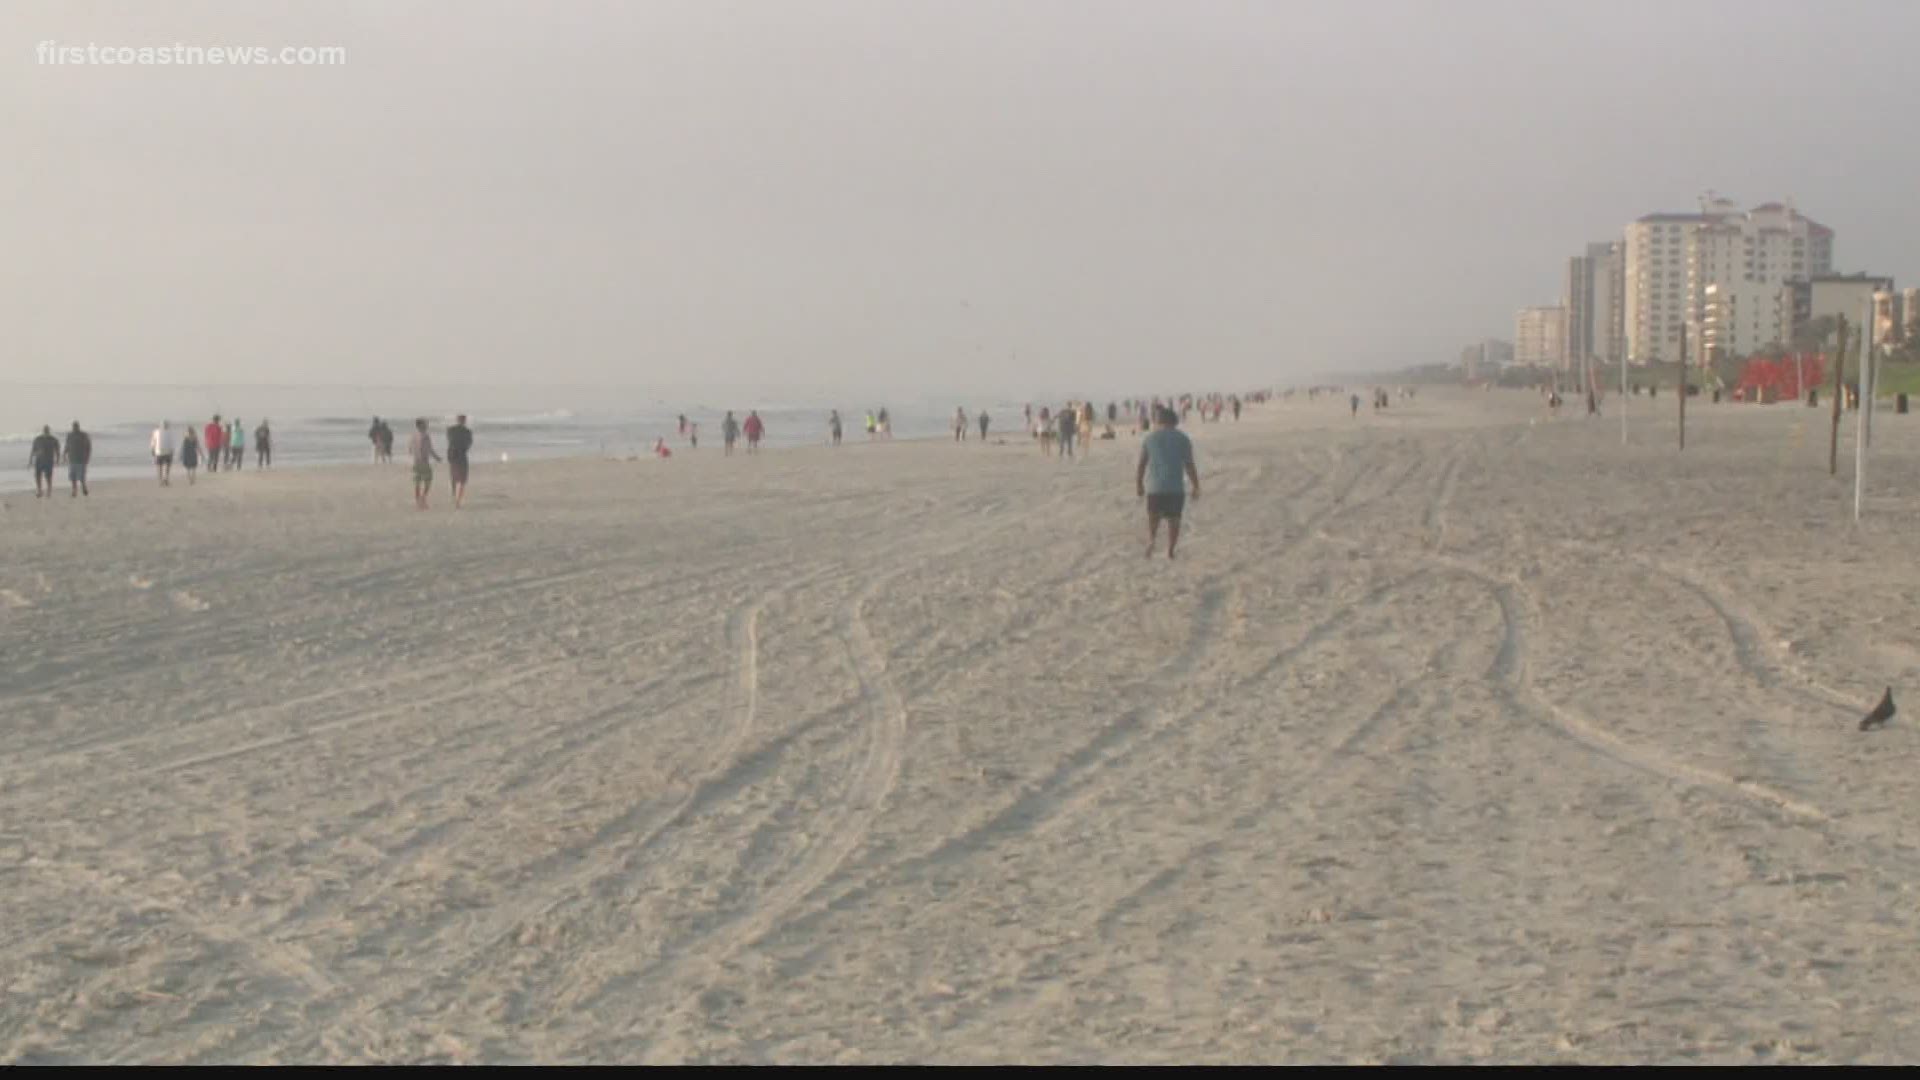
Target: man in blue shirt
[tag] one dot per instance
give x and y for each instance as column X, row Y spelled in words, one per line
column 1166, row 463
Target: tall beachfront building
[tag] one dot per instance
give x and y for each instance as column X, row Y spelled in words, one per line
column 1539, row 337
column 1673, row 258
column 1595, row 305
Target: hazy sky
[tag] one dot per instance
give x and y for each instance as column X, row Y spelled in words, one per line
column 1010, row 195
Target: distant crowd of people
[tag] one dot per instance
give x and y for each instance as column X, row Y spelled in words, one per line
column 1165, row 469
column 1065, row 432
column 225, row 444
column 217, row 445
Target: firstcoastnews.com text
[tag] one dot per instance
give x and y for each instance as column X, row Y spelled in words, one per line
column 52, row 53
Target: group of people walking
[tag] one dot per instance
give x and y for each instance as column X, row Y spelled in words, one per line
column 381, row 436
column 217, row 445
column 223, row 444
column 960, row 424
column 422, row 454
column 47, row 452
column 1058, row 432
column 731, row 429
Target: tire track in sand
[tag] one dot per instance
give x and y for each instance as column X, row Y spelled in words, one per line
column 1068, row 784
column 1753, row 659
column 878, row 775
column 1513, row 682
column 1048, row 803
column 1297, row 786
column 886, row 707
column 521, row 919
column 1767, row 670
column 701, row 960
column 529, row 922
column 290, row 961
column 211, row 726
column 1435, row 521
column 1510, row 673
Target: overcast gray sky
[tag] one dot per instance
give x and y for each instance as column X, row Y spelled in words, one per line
column 992, row 194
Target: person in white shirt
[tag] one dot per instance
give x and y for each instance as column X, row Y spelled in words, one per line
column 163, row 453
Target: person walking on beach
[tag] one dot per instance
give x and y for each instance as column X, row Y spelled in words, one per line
column 1355, row 402
column 79, row 454
column 420, row 449
column 42, row 456
column 1044, row 430
column 683, row 425
column 459, row 442
column 236, row 445
column 386, row 442
column 212, row 441
column 263, row 446
column 729, row 432
column 373, row 436
column 886, row 425
column 1069, row 426
column 1166, row 463
column 833, row 427
column 190, row 454
column 756, row 430
column 873, row 426
column 984, row 421
column 162, row 446
column 693, row 436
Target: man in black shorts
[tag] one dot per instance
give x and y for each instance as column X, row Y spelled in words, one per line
column 1166, row 464
column 459, row 441
column 42, row 455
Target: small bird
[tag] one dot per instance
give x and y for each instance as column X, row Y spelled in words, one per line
column 1881, row 713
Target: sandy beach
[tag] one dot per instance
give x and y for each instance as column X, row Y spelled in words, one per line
column 1458, row 734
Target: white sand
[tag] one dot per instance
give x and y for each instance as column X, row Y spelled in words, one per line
column 1451, row 739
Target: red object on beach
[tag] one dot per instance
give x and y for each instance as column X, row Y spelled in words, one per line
column 1779, row 378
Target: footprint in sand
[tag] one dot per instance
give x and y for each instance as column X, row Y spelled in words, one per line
column 186, row 601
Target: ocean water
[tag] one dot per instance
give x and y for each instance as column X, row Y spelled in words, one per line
column 328, row 425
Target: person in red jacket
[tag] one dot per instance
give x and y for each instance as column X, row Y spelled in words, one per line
column 754, row 429
column 212, row 442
